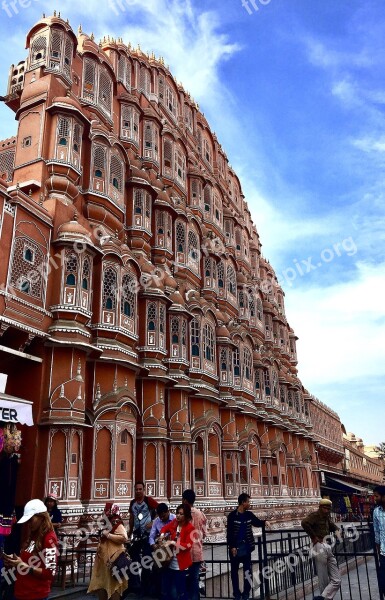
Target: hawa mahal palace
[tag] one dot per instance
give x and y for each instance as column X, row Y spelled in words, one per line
column 139, row 321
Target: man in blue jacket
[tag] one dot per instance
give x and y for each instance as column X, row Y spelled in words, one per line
column 240, row 541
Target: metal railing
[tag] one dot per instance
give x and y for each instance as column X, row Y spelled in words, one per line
column 282, row 565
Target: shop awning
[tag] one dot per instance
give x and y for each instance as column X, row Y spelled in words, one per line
column 343, row 486
column 15, row 410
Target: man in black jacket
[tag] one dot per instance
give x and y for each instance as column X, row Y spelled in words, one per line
column 240, row 541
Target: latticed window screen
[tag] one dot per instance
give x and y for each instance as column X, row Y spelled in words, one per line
column 139, row 202
column 188, row 117
column 217, row 208
column 223, row 363
column 193, row 254
column 25, row 276
column 180, row 166
column 161, row 88
column 184, row 332
column 150, row 140
column 275, row 384
column 167, row 156
column 128, row 298
column 162, row 319
column 231, row 281
column 196, row 190
column 221, row 275
column 71, row 268
column 38, row 49
column 238, row 238
column 116, row 172
column 124, row 71
column 86, row 274
column 100, row 160
column 266, row 375
column 236, row 363
column 6, row 164
column 228, row 229
column 282, row 393
column 180, row 236
column 64, row 131
column 56, row 49
column 208, row 343
column 208, row 267
column 247, row 364
column 195, row 337
column 207, row 199
column 68, row 52
column 170, row 100
column 251, row 305
column 175, row 327
column 89, row 80
column 105, row 90
column 77, row 143
column 144, row 81
column 110, row 289
column 257, row 376
column 290, row 398
column 151, row 316
column 207, row 150
column 259, row 309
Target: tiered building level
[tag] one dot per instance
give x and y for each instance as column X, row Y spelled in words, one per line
column 136, row 310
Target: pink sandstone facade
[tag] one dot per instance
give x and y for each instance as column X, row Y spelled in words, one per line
column 137, row 313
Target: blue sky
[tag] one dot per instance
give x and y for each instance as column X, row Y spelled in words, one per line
column 296, row 94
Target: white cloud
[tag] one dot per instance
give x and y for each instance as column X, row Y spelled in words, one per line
column 344, row 325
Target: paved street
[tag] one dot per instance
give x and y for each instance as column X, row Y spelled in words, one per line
column 353, row 588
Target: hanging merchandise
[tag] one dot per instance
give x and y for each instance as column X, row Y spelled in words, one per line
column 10, row 442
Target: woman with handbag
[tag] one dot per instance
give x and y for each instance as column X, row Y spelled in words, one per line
column 36, row 566
column 181, row 535
column 104, row 578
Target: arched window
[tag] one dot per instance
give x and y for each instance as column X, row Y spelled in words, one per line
column 105, row 90
column 252, row 309
column 167, row 157
column 116, row 178
column 208, row 343
column 144, row 81
column 196, row 192
column 163, row 229
column 221, row 277
column 109, row 289
column 236, row 363
column 180, row 240
column 207, row 200
column 128, row 301
column 267, row 382
column 150, row 140
column 193, row 253
column 195, row 342
column 151, row 316
column 124, row 71
column 99, row 167
column 129, row 123
column 38, row 50
column 259, row 310
column 180, row 166
column 247, row 364
column 231, row 281
column 275, row 385
column 70, row 275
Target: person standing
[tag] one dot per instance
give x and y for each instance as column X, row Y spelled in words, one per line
column 112, row 543
column 379, row 532
column 240, row 541
column 319, row 526
column 181, row 534
column 53, row 511
column 164, row 518
column 36, row 566
column 142, row 512
column 199, row 521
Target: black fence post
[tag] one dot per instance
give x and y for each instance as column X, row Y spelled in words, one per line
column 265, row 584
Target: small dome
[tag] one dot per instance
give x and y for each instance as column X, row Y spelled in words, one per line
column 72, row 230
column 177, row 298
column 170, row 283
column 222, row 332
column 35, row 88
column 67, row 100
